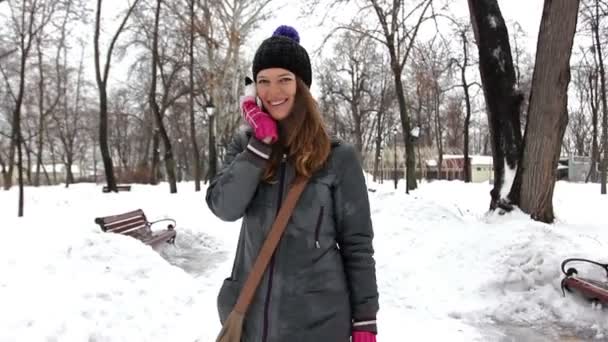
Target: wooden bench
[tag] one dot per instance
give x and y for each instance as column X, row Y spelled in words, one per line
column 105, row 188
column 135, row 224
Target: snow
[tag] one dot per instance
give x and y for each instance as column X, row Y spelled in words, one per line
column 507, row 180
column 497, row 53
column 475, row 159
column 446, row 268
column 482, row 160
column 493, row 21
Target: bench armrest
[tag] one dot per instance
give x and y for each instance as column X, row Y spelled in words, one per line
column 170, row 227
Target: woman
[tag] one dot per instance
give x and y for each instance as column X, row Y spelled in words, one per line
column 321, row 284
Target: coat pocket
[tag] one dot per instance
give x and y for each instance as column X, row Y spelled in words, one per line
column 318, row 227
column 227, row 297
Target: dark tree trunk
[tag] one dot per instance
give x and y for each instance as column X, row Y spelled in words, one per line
column 41, row 119
column 69, row 175
column 103, row 97
column 28, row 154
column 467, row 101
column 593, row 103
column 598, row 47
column 378, row 146
column 502, row 100
column 397, row 65
column 410, row 158
column 154, row 174
column 103, row 108
column 212, row 149
column 438, row 133
column 195, row 151
column 169, row 160
column 548, row 109
column 17, row 138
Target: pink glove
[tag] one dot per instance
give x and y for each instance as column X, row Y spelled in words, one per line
column 264, row 126
column 363, row 336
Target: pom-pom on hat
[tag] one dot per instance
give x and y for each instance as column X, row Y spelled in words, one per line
column 283, row 50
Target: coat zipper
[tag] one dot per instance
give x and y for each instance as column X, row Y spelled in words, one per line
column 271, row 269
column 318, row 227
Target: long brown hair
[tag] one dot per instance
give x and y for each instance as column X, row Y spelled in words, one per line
column 302, row 136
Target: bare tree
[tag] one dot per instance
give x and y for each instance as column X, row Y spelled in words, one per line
column 399, row 39
column 350, row 69
column 44, row 111
column 195, row 151
column 593, row 8
column 169, row 161
column 463, row 64
column 102, row 83
column 29, row 19
column 224, row 26
column 579, row 128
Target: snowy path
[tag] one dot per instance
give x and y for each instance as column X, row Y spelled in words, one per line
column 196, row 254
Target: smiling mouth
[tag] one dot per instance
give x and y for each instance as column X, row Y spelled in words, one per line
column 277, row 103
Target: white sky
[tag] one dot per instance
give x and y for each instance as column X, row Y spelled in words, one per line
column 526, row 12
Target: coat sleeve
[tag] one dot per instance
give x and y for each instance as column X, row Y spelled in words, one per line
column 231, row 190
column 355, row 235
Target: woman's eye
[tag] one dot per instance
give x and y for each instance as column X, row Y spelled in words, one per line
column 263, row 82
column 285, row 80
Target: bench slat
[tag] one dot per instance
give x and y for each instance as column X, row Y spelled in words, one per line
column 114, row 218
column 129, row 228
column 124, row 223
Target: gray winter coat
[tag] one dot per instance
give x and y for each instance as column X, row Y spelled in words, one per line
column 322, row 276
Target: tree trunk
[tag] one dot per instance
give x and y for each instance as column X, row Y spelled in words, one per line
column 69, row 175
column 593, row 101
column 41, row 121
column 102, row 81
column 410, row 158
column 378, row 145
column 154, row 174
column 195, row 152
column 28, row 154
column 548, row 110
column 212, row 149
column 598, row 46
column 438, row 133
column 2, row 169
column 502, row 99
column 103, row 107
column 356, row 117
column 53, row 157
column 169, row 161
column 103, row 140
column 467, row 101
column 17, row 138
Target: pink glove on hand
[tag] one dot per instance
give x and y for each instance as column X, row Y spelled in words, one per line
column 264, row 126
column 363, row 336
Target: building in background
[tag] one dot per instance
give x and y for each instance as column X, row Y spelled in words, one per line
column 452, row 168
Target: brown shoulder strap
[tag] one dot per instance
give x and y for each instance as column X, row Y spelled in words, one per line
column 270, row 245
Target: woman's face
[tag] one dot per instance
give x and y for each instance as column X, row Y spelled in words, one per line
column 276, row 87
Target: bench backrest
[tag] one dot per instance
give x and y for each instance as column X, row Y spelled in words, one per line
column 131, row 223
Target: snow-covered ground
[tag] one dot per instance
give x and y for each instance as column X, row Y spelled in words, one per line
column 446, row 269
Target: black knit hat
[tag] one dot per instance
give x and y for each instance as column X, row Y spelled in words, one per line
column 283, row 50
